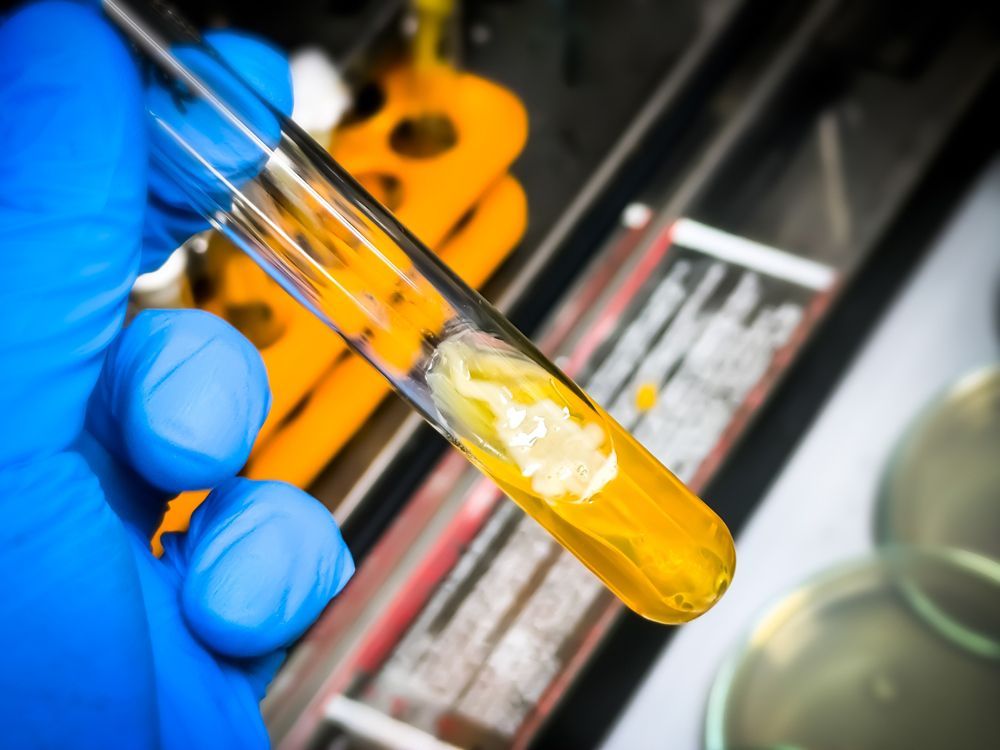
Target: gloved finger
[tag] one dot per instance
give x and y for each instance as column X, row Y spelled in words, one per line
column 180, row 400
column 72, row 197
column 260, row 562
column 181, row 119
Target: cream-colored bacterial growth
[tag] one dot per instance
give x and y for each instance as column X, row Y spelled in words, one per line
column 563, row 458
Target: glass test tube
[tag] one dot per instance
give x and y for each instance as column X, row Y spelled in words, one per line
column 279, row 196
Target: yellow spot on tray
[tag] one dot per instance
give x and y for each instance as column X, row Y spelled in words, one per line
column 645, row 397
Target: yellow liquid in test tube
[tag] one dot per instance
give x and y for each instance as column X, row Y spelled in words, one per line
column 576, row 471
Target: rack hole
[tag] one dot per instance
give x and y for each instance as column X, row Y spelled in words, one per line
column 463, row 221
column 368, row 102
column 296, row 411
column 257, row 321
column 424, row 136
column 385, row 188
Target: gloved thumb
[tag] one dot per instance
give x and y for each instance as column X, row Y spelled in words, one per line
column 259, row 563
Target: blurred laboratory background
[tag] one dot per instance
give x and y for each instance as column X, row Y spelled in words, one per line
column 765, row 235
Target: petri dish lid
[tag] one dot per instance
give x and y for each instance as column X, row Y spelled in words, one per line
column 898, row 651
column 942, row 486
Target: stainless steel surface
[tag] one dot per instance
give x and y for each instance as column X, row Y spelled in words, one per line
column 716, row 17
column 682, row 199
column 819, row 510
column 761, row 96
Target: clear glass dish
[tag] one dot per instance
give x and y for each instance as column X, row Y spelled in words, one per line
column 898, row 651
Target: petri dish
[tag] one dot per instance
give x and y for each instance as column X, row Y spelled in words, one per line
column 898, row 651
column 942, row 486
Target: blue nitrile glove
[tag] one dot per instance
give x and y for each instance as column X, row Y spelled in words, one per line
column 101, row 644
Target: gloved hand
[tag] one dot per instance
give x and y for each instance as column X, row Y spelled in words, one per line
column 101, row 644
